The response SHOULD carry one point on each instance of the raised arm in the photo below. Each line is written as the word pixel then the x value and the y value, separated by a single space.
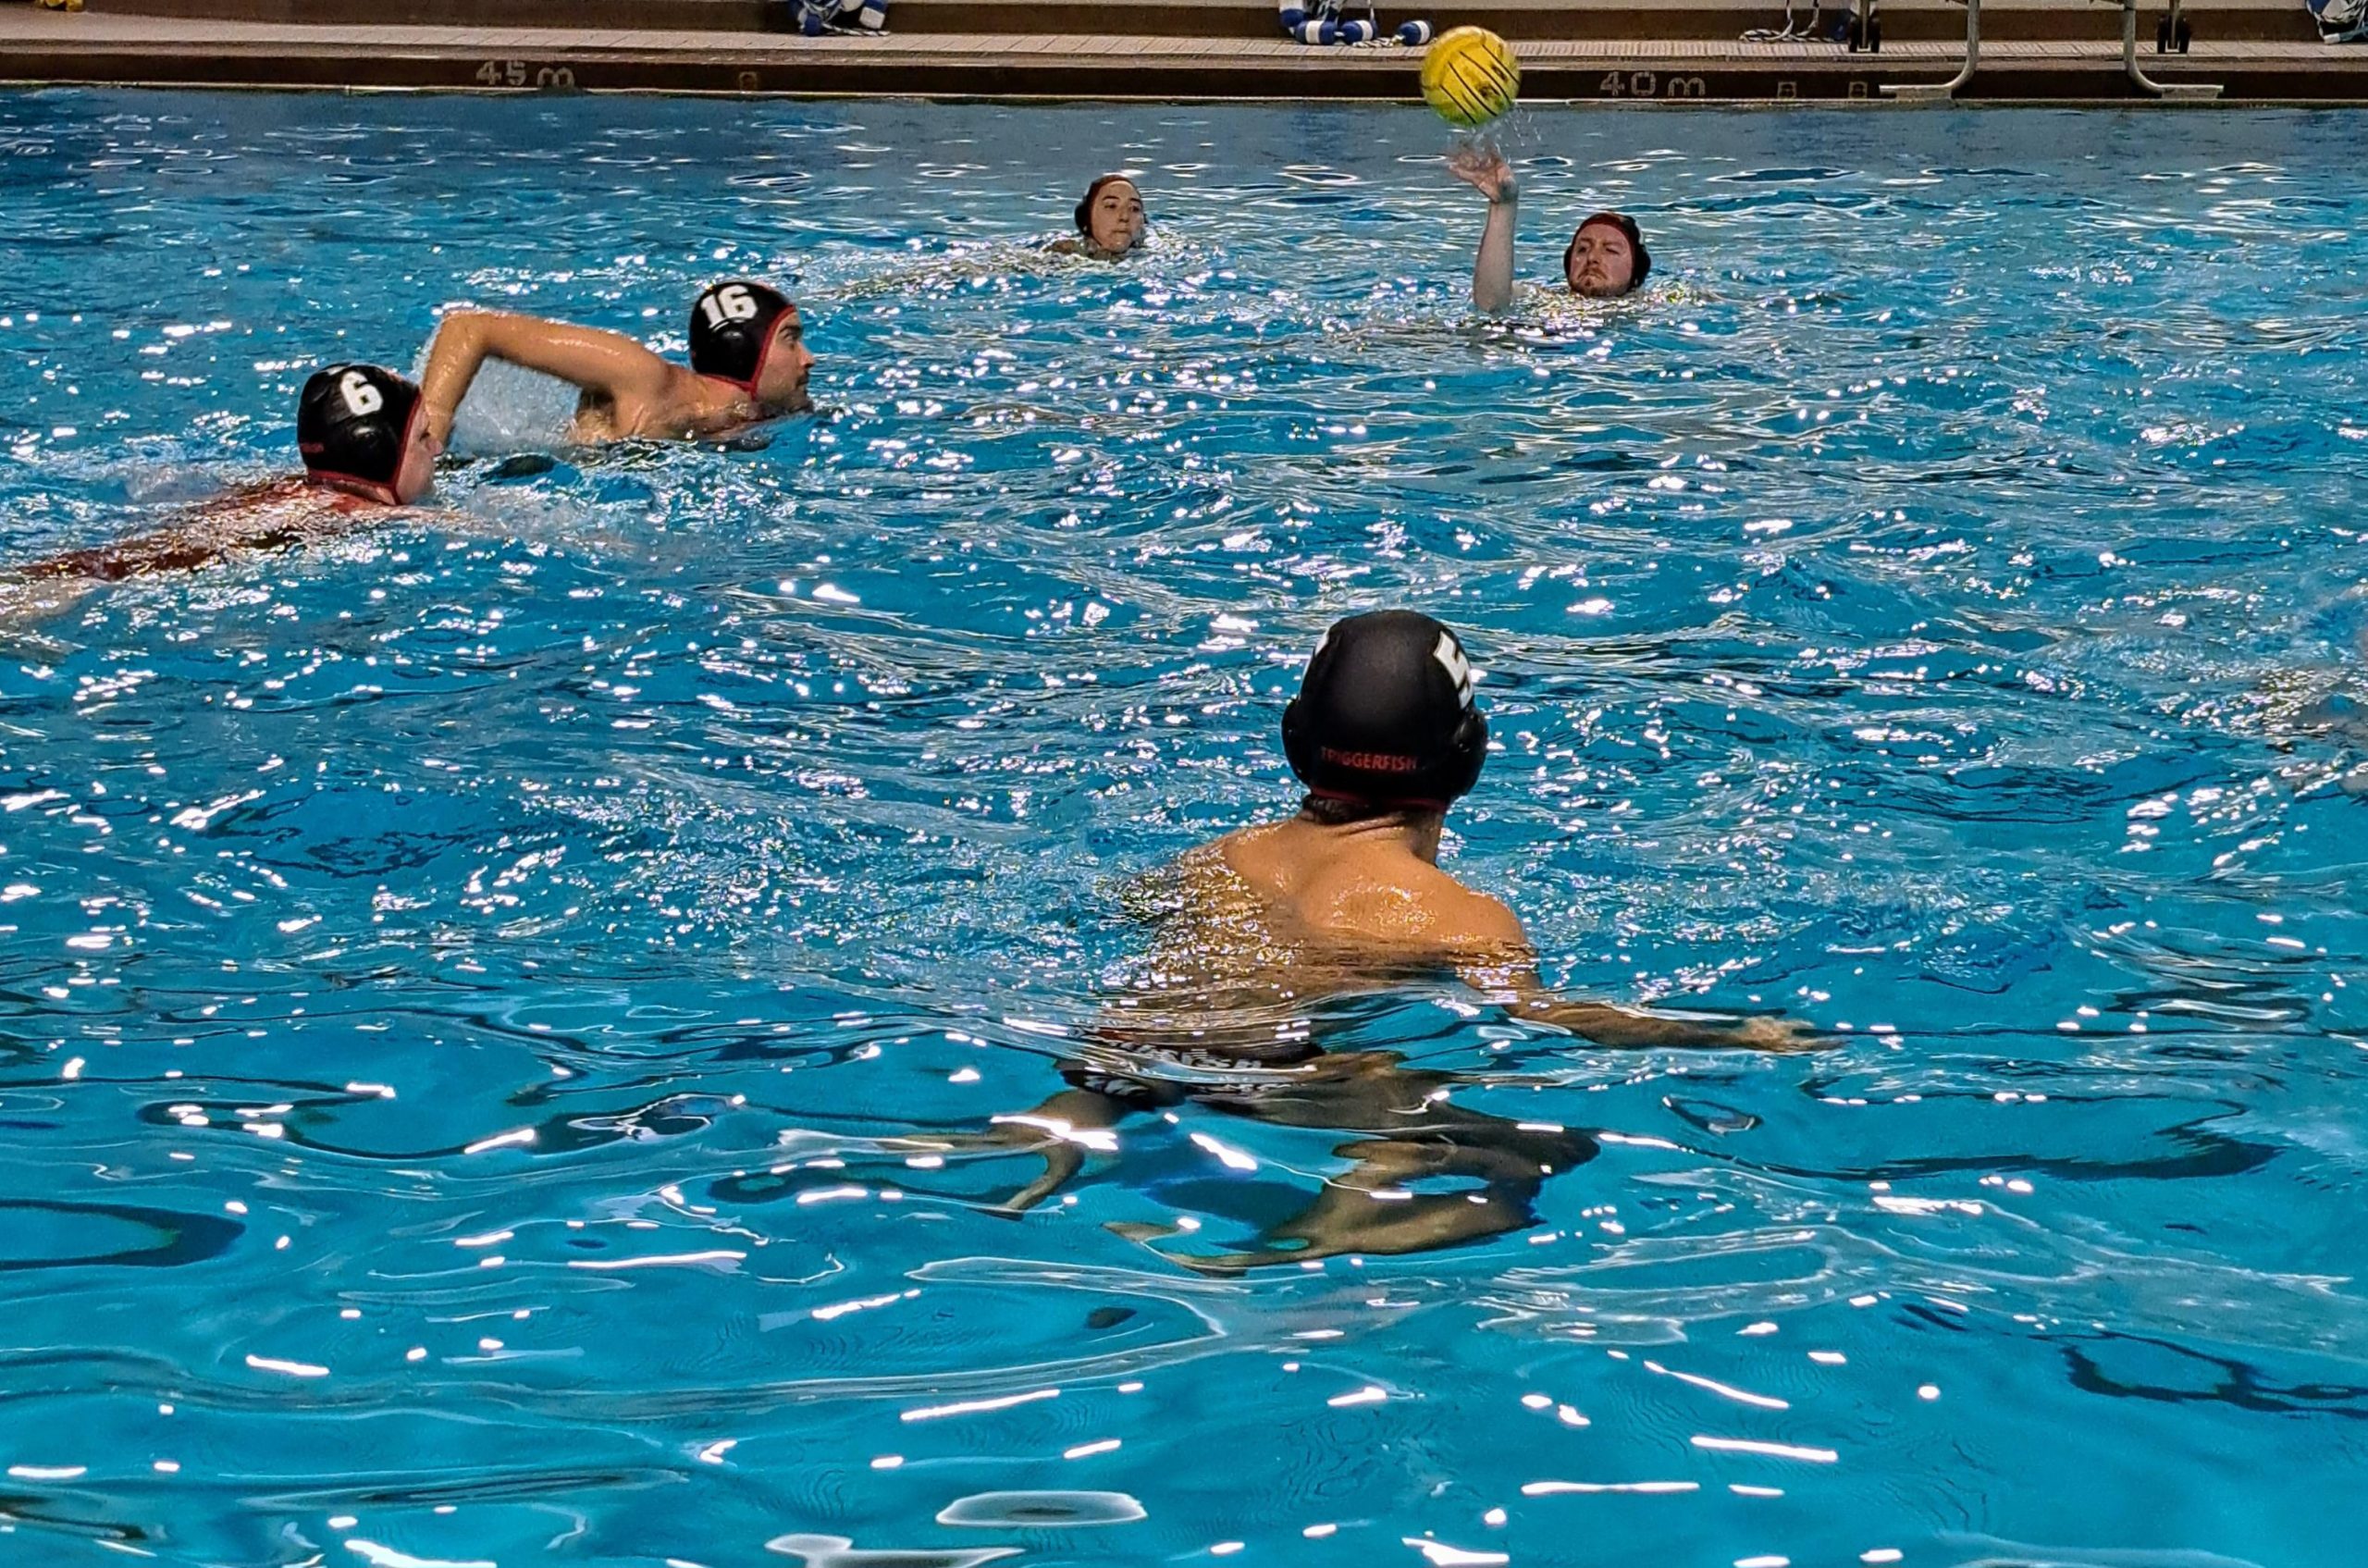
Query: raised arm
pixel 1482 167
pixel 606 364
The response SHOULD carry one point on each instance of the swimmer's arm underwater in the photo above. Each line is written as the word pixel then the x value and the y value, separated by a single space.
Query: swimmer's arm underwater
pixel 1486 170
pixel 1494 958
pixel 605 364
pixel 1622 1030
pixel 1060 1131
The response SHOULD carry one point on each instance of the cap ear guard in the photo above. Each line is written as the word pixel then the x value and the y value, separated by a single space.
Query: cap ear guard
pixel 1467 753
pixel 1299 747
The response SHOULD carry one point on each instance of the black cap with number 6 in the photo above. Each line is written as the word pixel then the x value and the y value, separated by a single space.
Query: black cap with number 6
pixel 732 326
pixel 352 424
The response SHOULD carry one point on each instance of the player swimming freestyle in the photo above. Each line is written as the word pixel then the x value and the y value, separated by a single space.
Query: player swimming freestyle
pixel 1606 257
pixel 1110 220
pixel 367 448
pixel 748 363
pixel 1270 931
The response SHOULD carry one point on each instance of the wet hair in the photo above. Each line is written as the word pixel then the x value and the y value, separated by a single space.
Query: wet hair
pixel 731 331
pixel 1626 226
pixel 1384 716
pixel 1338 811
pixel 353 424
pixel 1084 213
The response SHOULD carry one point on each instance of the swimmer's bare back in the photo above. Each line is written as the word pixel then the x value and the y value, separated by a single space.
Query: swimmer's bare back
pixel 273 515
pixel 628 392
pixel 265 516
pixel 1330 899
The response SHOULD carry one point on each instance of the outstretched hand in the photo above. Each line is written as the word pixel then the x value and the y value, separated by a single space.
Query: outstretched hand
pixel 1480 166
pixel 1779 1035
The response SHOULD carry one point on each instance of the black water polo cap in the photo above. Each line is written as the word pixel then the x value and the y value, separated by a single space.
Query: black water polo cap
pixel 732 329
pixel 1386 714
pixel 353 423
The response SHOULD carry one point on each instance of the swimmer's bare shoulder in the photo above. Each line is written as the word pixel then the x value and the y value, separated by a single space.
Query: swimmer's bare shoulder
pixel 1367 895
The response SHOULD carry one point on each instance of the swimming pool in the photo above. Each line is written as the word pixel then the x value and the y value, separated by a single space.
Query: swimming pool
pixel 459 980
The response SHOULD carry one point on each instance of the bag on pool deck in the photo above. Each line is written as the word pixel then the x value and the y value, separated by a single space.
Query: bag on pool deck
pixel 815 18
pixel 1321 22
pixel 2340 21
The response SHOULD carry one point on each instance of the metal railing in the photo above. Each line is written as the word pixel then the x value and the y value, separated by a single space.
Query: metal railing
pixel 1865 33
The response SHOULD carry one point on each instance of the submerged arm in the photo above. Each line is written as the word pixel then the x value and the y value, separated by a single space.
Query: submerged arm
pixel 267 518
pixel 606 364
pixel 1512 980
pixel 1060 1130
pixel 1495 958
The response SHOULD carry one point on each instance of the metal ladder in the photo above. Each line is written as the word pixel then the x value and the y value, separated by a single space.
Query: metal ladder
pixel 2171 34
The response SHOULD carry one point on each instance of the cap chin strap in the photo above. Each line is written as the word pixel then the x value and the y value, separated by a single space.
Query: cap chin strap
pixel 756 372
pixel 368 490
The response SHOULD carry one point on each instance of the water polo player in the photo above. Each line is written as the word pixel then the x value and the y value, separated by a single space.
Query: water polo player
pixel 1606 257
pixel 748 363
pixel 367 448
pixel 1260 927
pixel 1110 220
pixel 1386 734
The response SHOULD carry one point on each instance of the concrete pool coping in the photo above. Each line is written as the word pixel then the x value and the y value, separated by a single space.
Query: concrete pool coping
pixel 118 48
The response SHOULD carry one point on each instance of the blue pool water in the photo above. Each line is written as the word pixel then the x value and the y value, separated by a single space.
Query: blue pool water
pixel 463 984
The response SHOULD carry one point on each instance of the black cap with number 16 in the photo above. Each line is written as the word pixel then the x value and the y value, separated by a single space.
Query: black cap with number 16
pixel 732 327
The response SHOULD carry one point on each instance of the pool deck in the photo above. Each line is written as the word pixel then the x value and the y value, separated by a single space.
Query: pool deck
pixel 2251 50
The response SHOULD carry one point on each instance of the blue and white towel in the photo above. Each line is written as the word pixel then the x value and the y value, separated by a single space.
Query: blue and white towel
pixel 2340 21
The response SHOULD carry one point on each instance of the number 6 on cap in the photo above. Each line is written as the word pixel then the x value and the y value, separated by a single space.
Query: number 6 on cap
pixel 362 400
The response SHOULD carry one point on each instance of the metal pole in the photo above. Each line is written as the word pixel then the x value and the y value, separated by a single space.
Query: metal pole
pixel 2185 92
pixel 1928 92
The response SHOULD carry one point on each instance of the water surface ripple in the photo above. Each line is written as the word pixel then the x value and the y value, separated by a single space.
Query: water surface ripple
pixel 463 986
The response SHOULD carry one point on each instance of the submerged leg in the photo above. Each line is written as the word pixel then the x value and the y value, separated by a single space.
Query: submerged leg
pixel 1418 1136
pixel 1060 1130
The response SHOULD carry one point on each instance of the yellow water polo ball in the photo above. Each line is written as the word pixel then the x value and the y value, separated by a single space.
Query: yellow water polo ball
pixel 1470 76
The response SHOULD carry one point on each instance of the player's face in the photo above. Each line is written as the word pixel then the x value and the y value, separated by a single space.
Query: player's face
pixel 786 363
pixel 1116 220
pixel 1601 261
